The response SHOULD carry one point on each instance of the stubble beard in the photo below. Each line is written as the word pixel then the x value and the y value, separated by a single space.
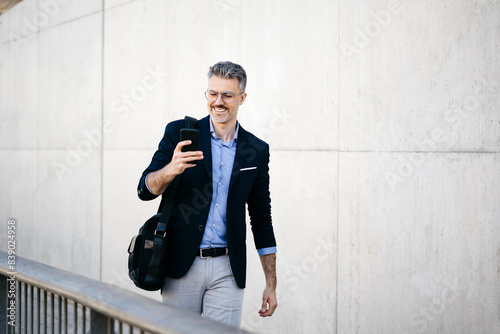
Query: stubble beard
pixel 221 119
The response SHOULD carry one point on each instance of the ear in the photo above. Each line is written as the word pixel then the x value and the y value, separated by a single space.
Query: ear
pixel 243 98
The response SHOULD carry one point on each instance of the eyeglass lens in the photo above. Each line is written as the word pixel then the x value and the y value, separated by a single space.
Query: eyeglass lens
pixel 212 95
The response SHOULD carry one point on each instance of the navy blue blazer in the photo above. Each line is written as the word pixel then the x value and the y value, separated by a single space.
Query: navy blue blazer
pixel 248 186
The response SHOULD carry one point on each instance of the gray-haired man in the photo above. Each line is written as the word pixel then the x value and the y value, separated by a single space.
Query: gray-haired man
pixel 206 260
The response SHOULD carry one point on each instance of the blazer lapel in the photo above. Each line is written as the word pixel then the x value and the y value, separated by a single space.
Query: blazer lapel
pixel 241 155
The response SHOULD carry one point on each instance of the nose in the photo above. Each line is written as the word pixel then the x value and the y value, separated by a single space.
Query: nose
pixel 219 99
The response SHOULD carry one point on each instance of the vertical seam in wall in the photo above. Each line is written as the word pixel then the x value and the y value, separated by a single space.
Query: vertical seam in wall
pixel 338 174
pixel 37 193
pixel 102 143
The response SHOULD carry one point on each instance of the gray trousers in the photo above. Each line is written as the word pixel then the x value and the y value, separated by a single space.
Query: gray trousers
pixel 209 289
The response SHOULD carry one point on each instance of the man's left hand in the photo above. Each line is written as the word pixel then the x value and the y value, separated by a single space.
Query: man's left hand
pixel 269 302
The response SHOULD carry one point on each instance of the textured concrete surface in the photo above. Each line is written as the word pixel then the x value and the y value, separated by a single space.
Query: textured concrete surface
pixel 384 125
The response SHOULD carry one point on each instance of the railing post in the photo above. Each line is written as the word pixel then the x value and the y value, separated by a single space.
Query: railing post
pixel 98 323
pixel 3 304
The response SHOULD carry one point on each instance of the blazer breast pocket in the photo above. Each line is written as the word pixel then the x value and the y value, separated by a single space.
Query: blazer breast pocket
pixel 247 170
pixel 246 177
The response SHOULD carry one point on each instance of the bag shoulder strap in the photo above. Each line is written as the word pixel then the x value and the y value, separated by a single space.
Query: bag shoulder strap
pixel 168 202
pixel 190 122
pixel 168 197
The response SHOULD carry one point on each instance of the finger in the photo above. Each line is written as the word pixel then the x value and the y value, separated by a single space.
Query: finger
pixel 265 300
pixel 267 313
pixel 183 156
pixel 263 310
pixel 264 314
pixel 271 310
pixel 181 144
pixel 192 155
pixel 190 160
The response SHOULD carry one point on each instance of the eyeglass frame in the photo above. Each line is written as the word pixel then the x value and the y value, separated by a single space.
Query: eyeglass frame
pixel 222 94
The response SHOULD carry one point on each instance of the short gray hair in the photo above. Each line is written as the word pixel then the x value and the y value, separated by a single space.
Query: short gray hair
pixel 229 70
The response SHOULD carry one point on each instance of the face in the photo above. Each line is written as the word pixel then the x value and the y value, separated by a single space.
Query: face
pixel 224 112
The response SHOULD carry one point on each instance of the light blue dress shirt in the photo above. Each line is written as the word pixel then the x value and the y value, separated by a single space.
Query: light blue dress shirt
pixel 222 166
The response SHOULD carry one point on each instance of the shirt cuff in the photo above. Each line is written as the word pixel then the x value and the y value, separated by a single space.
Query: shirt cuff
pixel 267 250
pixel 146 182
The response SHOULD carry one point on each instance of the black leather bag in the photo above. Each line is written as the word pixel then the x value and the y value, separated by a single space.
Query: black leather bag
pixel 147 250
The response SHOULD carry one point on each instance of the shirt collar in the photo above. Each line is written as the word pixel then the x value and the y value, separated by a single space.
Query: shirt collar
pixel 212 130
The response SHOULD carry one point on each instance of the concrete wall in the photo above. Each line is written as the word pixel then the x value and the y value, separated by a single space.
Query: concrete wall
pixel 383 119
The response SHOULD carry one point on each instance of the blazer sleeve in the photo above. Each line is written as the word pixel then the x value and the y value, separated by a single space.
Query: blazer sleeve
pixel 161 158
pixel 259 207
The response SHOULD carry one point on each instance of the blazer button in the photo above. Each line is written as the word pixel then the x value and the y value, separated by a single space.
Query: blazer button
pixel 200 227
pixel 207 201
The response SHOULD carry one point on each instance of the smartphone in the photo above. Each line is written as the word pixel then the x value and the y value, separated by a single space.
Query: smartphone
pixel 194 136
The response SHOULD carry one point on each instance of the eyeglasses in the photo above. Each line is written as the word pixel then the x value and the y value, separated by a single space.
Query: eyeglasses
pixel 227 97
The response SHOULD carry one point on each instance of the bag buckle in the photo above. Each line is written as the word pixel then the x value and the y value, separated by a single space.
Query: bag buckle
pixel 159 233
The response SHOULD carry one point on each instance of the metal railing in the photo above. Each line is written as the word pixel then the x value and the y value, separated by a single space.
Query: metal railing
pixel 36 298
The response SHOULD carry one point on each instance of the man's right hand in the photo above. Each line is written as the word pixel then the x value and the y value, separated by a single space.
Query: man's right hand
pixel 158 181
pixel 182 160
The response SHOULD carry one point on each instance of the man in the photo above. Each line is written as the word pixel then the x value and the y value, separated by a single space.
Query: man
pixel 206 255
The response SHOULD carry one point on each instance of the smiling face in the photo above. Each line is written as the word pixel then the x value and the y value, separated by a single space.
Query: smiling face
pixel 223 112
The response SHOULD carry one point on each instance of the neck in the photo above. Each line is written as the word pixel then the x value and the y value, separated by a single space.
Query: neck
pixel 226 131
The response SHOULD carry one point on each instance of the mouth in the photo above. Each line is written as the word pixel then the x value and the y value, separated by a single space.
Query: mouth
pixel 219 109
